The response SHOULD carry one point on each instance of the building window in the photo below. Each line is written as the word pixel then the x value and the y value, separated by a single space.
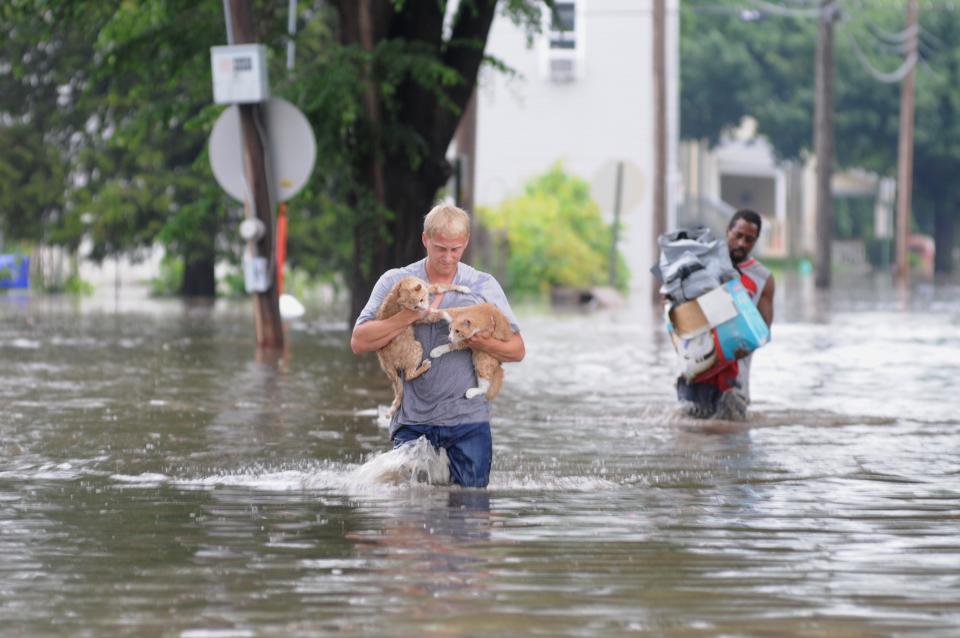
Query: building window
pixel 563 26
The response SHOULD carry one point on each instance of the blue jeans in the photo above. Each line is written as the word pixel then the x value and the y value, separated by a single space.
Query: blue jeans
pixel 469 448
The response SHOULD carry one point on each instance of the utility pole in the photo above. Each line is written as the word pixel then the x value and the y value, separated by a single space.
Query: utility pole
pixel 659 126
pixel 905 148
pixel 823 142
pixel 615 235
pixel 269 327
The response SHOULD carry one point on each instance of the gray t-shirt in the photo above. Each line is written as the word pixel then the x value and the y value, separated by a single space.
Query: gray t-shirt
pixel 437 396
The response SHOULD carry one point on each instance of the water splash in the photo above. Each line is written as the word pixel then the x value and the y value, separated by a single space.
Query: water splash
pixel 414 462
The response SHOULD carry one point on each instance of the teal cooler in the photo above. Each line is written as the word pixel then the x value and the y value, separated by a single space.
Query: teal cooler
pixel 747 331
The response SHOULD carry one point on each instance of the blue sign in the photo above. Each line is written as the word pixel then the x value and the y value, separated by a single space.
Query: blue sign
pixel 14 271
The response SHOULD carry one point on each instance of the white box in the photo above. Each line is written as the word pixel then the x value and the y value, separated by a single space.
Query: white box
pixel 256 274
pixel 239 74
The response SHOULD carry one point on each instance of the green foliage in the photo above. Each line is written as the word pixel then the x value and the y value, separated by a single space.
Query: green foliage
pixel 169 282
pixel 737 63
pixel 31 183
pixel 107 109
pixel 556 236
pixel 232 284
pixel 853 217
pixel 74 285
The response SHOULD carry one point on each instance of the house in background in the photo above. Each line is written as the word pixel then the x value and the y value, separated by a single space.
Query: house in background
pixel 583 95
pixel 742 171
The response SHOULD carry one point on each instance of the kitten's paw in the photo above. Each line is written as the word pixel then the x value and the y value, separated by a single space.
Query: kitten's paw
pixel 439 351
pixel 473 392
pixel 464 289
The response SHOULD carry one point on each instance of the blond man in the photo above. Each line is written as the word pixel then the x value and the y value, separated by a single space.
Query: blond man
pixel 434 404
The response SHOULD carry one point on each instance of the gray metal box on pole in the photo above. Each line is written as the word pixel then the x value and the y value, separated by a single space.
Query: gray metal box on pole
pixel 239 74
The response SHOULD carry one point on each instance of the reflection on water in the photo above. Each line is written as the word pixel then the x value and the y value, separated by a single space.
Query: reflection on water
pixel 159 477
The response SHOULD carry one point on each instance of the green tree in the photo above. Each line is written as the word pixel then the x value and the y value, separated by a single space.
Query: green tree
pixel 417 68
pixel 556 236
pixel 737 63
pixel 40 60
pixel 382 82
pixel 31 182
pixel 868 113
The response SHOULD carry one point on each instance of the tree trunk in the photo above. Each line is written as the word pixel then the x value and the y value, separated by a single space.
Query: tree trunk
pixel 200 258
pixel 396 184
pixel 198 278
pixel 396 242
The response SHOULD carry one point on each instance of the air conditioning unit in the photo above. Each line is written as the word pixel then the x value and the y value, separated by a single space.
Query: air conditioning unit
pixel 563 69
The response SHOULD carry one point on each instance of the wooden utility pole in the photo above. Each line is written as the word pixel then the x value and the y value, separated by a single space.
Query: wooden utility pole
pixel 659 126
pixel 615 233
pixel 269 327
pixel 905 148
pixel 823 143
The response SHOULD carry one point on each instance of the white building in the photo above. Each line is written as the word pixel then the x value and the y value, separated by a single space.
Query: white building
pixel 742 171
pixel 583 96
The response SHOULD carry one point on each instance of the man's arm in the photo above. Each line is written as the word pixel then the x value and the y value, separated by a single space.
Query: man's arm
pixel 372 335
pixel 509 351
pixel 765 304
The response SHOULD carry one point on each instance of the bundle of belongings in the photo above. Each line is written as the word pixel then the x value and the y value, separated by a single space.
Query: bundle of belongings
pixel 710 317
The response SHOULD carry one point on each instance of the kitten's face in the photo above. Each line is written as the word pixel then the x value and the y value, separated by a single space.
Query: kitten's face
pixel 413 294
pixel 462 328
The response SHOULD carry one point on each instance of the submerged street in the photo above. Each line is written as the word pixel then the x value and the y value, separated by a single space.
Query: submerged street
pixel 158 477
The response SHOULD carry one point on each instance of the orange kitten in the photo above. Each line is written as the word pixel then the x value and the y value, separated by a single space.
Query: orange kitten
pixel 467 321
pixel 404 353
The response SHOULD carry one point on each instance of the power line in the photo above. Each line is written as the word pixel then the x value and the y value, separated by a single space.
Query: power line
pixel 887 78
pixel 779 10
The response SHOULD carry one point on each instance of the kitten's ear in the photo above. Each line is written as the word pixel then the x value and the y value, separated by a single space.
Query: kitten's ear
pixel 419 286
pixel 466 322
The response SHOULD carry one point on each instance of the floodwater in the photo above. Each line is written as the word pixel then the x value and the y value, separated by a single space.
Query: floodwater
pixel 159 478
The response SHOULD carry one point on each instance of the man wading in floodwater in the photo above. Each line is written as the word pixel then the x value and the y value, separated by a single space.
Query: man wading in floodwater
pixel 434 405
pixel 727 395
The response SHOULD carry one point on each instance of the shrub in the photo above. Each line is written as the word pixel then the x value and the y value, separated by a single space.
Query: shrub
pixel 555 234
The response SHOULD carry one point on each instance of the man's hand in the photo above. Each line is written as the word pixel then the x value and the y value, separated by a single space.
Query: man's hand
pixel 504 351
pixel 481 342
pixel 408 316
pixel 375 334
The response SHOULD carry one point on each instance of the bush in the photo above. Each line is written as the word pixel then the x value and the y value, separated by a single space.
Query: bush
pixel 169 281
pixel 555 236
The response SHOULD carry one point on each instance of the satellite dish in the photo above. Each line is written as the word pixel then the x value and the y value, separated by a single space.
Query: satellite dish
pixel 292 150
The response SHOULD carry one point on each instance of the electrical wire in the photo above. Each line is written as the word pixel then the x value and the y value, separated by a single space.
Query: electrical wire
pixel 887 78
pixel 779 10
